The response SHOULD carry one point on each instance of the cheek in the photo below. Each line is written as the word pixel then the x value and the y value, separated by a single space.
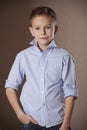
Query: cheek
pixel 34 34
pixel 51 34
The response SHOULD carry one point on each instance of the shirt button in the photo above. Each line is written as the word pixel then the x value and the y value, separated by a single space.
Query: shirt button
pixel 42 92
pixel 42 79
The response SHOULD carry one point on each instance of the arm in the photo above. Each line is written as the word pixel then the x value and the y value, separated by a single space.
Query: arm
pixel 13 99
pixel 69 104
pixel 69 89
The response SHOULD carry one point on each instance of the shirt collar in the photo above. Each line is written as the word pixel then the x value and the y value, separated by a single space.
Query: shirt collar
pixel 52 43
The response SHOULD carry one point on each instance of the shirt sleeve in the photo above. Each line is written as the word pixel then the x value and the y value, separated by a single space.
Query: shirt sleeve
pixel 16 74
pixel 69 77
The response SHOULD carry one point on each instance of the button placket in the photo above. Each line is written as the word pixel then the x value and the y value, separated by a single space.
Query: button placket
pixel 42 87
pixel 42 67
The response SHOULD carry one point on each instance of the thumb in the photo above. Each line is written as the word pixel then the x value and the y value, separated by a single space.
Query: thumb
pixel 33 121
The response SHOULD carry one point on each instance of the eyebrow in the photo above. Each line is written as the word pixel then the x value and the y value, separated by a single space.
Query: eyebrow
pixel 44 26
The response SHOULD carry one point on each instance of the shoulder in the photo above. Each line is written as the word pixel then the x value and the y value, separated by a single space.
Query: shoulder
pixel 65 55
pixel 62 52
pixel 24 52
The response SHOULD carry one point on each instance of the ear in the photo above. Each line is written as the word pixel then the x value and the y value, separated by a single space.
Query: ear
pixel 56 29
pixel 31 31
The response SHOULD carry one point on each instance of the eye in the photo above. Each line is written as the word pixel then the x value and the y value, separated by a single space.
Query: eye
pixel 36 28
pixel 49 27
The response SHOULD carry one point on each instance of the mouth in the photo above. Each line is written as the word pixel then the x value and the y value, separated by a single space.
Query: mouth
pixel 44 38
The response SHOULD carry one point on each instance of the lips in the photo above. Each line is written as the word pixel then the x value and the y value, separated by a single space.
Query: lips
pixel 44 38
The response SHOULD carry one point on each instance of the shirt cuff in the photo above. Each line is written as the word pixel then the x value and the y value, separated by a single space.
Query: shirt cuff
pixel 71 92
pixel 8 84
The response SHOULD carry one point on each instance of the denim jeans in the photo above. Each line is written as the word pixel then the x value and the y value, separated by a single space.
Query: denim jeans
pixel 32 126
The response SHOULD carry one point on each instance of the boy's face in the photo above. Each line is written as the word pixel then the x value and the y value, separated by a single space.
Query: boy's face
pixel 43 30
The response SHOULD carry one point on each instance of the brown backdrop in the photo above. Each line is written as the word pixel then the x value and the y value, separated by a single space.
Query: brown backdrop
pixel 72 35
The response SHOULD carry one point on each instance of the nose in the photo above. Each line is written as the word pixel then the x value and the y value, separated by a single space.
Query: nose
pixel 43 31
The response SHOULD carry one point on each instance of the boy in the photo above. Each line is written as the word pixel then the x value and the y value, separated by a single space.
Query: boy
pixel 48 94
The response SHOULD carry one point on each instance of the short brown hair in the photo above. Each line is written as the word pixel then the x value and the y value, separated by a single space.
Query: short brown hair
pixel 43 10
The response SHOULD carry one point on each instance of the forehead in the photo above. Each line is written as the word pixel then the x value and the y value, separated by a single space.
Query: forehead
pixel 41 20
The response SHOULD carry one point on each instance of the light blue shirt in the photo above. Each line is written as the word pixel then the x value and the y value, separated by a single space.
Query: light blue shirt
pixel 50 78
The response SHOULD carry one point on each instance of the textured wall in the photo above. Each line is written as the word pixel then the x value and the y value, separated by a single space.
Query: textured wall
pixel 72 35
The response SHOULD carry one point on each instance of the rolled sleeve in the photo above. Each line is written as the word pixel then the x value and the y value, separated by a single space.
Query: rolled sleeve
pixel 16 74
pixel 71 92
pixel 69 77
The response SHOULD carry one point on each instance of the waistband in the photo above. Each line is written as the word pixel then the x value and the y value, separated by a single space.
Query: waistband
pixel 38 126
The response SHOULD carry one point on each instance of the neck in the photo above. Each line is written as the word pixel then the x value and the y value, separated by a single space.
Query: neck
pixel 42 47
